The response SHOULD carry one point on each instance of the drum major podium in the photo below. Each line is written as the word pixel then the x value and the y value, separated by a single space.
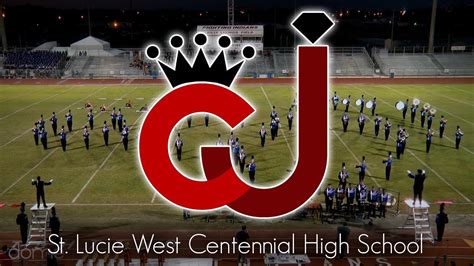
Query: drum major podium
pixel 419 219
pixel 38 231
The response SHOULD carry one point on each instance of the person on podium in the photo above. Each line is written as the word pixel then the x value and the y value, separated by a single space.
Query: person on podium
pixel 39 184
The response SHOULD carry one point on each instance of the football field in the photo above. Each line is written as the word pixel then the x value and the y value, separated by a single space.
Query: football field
pixel 103 186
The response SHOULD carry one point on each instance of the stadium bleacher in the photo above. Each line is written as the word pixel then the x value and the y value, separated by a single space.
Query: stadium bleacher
pixel 351 61
pixel 271 62
pixel 407 64
pixel 456 64
pixel 35 63
pixel 102 66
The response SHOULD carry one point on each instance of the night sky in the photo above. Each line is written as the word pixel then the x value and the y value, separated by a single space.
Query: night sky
pixel 221 4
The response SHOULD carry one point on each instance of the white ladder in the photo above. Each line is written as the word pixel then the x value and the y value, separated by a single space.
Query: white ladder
pixel 39 224
pixel 421 220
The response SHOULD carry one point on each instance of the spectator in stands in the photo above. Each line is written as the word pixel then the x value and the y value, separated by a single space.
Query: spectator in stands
pixel 39 63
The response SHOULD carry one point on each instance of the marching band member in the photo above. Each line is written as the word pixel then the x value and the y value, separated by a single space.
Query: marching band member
pixel 236 150
pixel 430 119
pixel 345 121
pixel 363 167
pixel 289 116
pixel 388 165
pixel 350 195
pixel 63 138
pixel 125 127
pixel 335 101
pixel 374 105
pixel 231 139
pixel 429 136
pixel 373 200
pixel 219 140
pixel 252 166
pixel 377 121
pixel 274 128
pixel 85 136
pixel 442 126
pixel 384 199
pixel 399 147
pixel 361 121
pixel 69 120
pixel 339 197
pixel 404 139
pixel 273 114
pixel 277 120
pixel 262 133
pixel 105 133
pixel 362 104
pixel 329 197
pixel 459 135
pixel 124 134
pixel 35 133
pixel 44 138
pixel 41 122
pixel 54 123
pixel 120 120
pixel 348 104
pixel 206 120
pixel 361 187
pixel 179 146
pixel 418 184
pixel 189 120
pixel 413 113
pixel 405 109
pixel 423 116
pixel 90 118
pixel 387 127
pixel 361 200
pixel 242 157
pixel 113 117
pixel 343 175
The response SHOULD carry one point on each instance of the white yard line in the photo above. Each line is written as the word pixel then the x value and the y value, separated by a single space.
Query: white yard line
pixel 47 156
pixel 416 119
pixel 60 111
pixel 431 169
pixel 35 103
pixel 456 100
pixel 154 197
pixel 353 155
pixel 27 173
pixel 436 107
pixel 282 131
pixel 95 172
pixel 16 97
pixel 28 106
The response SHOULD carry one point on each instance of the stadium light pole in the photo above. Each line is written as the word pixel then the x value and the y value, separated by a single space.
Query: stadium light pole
pixel 432 26
pixel 3 34
pixel 391 34
pixel 230 12
pixel 89 17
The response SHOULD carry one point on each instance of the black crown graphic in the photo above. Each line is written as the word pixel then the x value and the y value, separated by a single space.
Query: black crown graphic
pixel 201 70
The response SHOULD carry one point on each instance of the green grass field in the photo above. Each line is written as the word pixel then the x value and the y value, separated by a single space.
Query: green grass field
pixel 103 187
